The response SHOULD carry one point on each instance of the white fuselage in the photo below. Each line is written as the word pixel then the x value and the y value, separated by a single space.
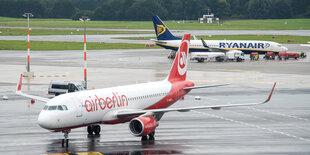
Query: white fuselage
pixel 100 105
pixel 245 46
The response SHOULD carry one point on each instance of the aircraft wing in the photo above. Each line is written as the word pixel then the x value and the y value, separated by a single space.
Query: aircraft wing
pixel 19 92
pixel 127 114
pixel 207 86
pixel 213 49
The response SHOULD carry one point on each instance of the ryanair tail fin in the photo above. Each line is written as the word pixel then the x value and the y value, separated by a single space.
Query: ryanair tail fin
pixel 162 32
pixel 179 66
pixel 204 43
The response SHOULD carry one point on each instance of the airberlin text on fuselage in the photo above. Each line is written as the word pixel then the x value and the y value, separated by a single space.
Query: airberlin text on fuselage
pixel 96 103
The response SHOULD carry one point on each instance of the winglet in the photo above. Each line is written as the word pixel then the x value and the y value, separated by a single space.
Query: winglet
pixel 274 85
pixel 19 85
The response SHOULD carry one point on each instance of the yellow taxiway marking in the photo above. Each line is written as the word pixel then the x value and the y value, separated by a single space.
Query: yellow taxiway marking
pixel 37 76
pixel 77 153
pixel 239 70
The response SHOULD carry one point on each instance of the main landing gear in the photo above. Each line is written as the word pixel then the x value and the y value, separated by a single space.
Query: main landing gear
pixel 65 141
pixel 93 129
pixel 148 137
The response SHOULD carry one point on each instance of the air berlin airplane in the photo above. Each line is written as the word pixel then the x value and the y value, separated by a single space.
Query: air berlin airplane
pixel 142 105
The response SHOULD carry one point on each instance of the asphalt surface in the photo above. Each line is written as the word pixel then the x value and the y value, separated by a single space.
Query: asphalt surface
pixel 281 126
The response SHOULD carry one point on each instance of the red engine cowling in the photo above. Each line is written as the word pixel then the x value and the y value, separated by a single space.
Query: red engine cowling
pixel 142 126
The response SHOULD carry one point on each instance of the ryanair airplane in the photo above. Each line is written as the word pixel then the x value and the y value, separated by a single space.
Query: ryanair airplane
pixel 167 40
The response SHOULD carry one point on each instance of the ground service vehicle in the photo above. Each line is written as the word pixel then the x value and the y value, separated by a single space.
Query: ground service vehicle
pixel 57 88
pixel 235 55
pixel 254 56
pixel 282 55
pixel 270 55
pixel 202 56
pixel 293 55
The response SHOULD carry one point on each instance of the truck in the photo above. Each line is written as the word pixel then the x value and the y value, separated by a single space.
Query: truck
pixel 57 88
pixel 233 55
pixel 285 55
pixel 202 56
pixel 270 55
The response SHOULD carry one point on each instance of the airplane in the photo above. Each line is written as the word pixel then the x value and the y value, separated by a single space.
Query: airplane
pixel 167 40
pixel 142 105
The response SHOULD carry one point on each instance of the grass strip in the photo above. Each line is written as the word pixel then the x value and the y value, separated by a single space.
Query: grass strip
pixel 53 45
pixel 17 32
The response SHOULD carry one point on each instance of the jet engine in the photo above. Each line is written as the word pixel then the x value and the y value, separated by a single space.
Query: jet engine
pixel 142 126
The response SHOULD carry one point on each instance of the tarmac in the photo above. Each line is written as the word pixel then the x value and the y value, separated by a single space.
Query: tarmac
pixel 281 126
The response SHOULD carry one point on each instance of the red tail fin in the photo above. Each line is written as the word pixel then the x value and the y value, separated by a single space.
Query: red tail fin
pixel 179 66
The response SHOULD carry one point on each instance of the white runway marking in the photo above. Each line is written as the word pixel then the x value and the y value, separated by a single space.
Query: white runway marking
pixel 252 125
pixel 276 113
pixel 256 117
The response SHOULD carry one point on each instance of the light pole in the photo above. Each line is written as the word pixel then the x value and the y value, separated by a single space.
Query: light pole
pixel 84 19
pixel 28 15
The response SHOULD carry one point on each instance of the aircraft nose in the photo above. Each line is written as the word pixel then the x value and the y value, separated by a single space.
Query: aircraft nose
pixel 44 121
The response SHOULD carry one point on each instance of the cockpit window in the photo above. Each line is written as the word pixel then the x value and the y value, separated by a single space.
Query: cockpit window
pixel 60 108
pixel 64 107
pixel 56 107
pixel 52 107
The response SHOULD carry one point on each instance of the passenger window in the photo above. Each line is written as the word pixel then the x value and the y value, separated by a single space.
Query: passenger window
pixel 60 108
pixel 52 107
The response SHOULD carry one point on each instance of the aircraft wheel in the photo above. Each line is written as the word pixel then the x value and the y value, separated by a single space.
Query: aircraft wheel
pixel 144 138
pixel 65 142
pixel 62 142
pixel 152 134
pixel 97 129
pixel 90 129
pixel 201 60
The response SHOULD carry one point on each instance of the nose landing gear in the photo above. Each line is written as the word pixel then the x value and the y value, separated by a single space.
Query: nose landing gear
pixel 65 141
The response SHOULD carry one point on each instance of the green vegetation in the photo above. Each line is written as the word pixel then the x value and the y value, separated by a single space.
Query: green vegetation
pixel 16 32
pixel 141 10
pixel 270 24
pixel 50 45
pixel 283 39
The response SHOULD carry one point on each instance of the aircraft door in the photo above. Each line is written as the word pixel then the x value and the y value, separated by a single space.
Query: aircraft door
pixel 79 112
pixel 79 108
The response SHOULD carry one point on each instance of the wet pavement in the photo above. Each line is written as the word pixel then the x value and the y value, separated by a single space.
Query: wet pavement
pixel 281 126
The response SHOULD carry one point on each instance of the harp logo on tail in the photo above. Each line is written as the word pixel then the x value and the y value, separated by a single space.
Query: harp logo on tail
pixel 160 29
